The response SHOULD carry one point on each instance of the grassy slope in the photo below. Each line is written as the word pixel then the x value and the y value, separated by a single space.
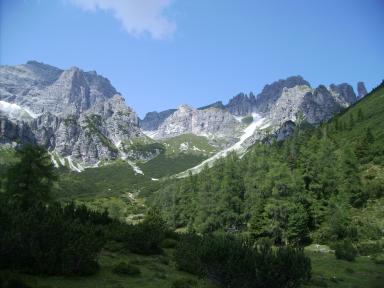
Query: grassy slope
pixel 174 160
pixel 372 107
pixel 327 271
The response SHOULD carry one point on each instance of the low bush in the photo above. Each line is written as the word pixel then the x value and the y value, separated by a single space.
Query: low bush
pixel 126 269
pixel 345 250
pixel 169 243
pixel 378 259
pixel 247 120
pixel 11 280
pixel 184 283
pixel 46 240
pixel 237 262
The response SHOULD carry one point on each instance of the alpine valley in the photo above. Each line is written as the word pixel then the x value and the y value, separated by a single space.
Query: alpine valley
pixel 281 187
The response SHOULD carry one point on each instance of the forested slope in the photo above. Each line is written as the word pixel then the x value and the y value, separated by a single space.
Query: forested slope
pixel 318 186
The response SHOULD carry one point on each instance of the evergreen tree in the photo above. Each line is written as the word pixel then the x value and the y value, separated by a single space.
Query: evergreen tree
pixel 352 186
pixel 30 181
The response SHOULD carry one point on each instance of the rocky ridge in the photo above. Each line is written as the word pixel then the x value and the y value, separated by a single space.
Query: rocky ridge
pixel 75 114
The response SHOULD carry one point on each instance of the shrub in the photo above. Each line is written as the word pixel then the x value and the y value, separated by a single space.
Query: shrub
pixel 378 259
pixel 126 269
pixel 10 280
pixel 237 262
pixel 345 250
pixel 169 243
pixel 42 240
pixel 184 283
pixel 247 120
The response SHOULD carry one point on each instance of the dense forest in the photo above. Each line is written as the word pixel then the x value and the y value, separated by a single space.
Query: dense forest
pixel 312 187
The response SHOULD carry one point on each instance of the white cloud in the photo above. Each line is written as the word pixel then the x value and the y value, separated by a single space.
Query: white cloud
pixel 136 16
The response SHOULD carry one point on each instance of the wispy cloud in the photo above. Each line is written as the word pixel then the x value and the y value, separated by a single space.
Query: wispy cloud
pixel 137 17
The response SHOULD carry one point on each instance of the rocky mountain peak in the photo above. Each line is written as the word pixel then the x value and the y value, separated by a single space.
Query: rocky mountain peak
pixel 345 91
pixel 361 90
pixel 78 115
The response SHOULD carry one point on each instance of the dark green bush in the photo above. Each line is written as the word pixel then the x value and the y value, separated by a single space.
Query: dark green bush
pixel 184 283
pixel 11 280
pixel 345 250
pixel 126 269
pixel 378 259
pixel 42 240
pixel 247 120
pixel 169 243
pixel 236 262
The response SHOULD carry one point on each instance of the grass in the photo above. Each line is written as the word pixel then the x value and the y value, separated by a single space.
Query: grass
pixel 159 271
pixel 372 110
pixel 327 271
pixel 195 144
pixel 155 272
pixel 167 165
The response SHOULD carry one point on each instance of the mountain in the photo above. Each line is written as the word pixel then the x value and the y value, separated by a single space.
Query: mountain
pixel 210 122
pixel 152 120
pixel 82 119
pixel 361 90
pixel 77 115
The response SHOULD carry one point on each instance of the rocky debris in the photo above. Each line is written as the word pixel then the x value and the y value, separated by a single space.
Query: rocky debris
pixel 153 120
pixel 361 90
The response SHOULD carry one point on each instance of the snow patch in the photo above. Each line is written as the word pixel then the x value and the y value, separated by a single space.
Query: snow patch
pixel 17 112
pixel 150 134
pixel 135 168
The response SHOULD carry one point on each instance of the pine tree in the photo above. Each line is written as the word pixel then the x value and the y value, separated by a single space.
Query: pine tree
pixel 352 186
pixel 30 181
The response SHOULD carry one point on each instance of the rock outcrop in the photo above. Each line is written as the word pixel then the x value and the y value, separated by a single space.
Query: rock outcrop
pixel 210 122
pixel 153 120
pixel 361 90
pixel 242 104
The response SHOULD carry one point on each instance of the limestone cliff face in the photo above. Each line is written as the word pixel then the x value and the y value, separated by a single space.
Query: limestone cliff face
pixel 77 114
pixel 210 122
pixel 153 120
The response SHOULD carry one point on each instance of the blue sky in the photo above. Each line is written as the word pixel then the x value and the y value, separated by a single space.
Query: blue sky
pixel 162 53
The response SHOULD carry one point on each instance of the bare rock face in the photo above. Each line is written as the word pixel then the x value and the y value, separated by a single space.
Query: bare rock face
pixel 344 93
pixel 361 90
pixel 242 104
pixel 265 101
pixel 43 88
pixel 153 120
pixel 13 132
pixel 211 122
pixel 77 114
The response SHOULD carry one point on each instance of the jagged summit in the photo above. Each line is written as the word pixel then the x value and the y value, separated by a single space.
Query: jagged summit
pixel 76 114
